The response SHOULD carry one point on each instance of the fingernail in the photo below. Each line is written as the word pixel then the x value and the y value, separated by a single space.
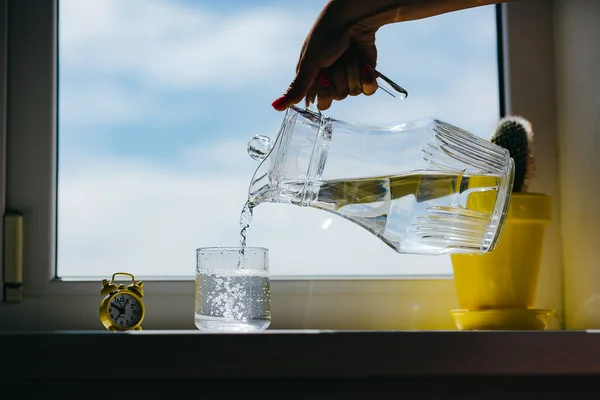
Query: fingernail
pixel 280 104
pixel 364 69
pixel 325 80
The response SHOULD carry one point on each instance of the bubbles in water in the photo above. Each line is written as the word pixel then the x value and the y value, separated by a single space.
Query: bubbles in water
pixel 232 300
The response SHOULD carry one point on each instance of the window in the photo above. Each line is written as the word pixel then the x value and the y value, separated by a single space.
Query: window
pixel 403 301
pixel 158 99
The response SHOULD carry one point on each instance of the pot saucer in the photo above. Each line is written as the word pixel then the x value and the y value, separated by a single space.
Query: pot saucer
pixel 502 319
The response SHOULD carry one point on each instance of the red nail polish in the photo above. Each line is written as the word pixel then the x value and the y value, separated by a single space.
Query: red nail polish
pixel 325 80
pixel 280 104
pixel 364 69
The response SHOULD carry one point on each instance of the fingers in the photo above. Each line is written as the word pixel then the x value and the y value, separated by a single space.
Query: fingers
pixel 326 92
pixel 347 76
pixel 312 94
pixel 339 80
pixel 331 85
pixel 305 77
pixel 368 80
pixel 353 78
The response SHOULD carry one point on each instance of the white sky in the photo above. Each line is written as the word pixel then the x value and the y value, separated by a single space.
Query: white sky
pixel 159 98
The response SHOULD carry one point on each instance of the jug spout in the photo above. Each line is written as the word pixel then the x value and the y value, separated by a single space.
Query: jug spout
pixel 261 187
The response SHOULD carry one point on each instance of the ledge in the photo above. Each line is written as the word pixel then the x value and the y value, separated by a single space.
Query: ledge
pixel 299 354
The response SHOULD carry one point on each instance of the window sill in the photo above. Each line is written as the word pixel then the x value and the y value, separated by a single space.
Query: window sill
pixel 304 354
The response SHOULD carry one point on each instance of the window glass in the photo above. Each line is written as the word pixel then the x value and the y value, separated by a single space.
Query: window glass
pixel 158 99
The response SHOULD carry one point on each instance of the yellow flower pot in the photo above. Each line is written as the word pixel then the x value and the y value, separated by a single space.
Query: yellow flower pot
pixel 507 277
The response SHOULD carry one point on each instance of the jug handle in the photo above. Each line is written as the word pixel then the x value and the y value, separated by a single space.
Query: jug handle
pixel 390 87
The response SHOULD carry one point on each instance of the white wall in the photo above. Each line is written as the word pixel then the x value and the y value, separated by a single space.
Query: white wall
pixel 530 91
pixel 577 51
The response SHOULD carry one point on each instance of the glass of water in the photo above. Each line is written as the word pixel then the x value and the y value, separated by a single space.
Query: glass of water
pixel 233 289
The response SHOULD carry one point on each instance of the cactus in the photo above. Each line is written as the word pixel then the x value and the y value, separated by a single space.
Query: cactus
pixel 515 134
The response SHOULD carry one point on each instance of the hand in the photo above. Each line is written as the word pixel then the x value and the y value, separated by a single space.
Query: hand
pixel 337 59
pixel 339 56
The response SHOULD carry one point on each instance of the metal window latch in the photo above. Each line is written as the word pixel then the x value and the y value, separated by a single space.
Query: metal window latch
pixel 13 258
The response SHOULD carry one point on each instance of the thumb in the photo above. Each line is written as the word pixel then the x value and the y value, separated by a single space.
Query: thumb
pixel 304 79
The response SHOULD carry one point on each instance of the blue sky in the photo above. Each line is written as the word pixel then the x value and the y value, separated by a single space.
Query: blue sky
pixel 158 98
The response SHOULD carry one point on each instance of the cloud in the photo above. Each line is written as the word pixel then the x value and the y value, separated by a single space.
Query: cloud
pixel 123 61
pixel 179 46
pixel 467 104
pixel 226 157
pixel 107 102
pixel 132 59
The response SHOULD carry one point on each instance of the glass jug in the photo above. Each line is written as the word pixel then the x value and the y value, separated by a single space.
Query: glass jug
pixel 414 185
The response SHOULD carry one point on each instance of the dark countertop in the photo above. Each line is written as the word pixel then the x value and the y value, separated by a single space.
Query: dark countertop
pixel 300 354
pixel 303 364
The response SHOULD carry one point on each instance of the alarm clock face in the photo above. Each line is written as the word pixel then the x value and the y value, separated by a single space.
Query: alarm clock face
pixel 124 310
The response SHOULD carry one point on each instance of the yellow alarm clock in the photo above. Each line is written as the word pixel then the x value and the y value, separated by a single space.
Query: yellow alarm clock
pixel 122 308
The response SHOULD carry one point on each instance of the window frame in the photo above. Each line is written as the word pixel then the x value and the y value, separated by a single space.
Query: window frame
pixel 419 303
pixel 3 116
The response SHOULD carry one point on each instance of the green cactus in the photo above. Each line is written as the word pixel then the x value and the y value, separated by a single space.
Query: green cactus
pixel 515 134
